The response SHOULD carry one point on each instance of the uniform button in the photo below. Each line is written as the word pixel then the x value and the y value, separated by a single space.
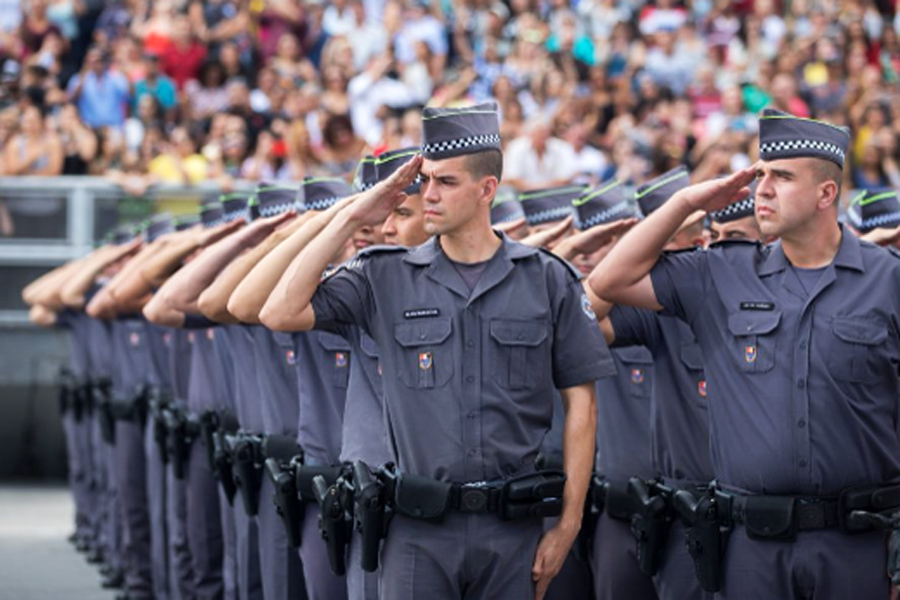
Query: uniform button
pixel 520 337
pixel 801 383
pixel 802 462
pixel 801 423
pixel 473 452
pixel 470 379
pixel 470 343
pixel 472 415
pixel 421 336
pixel 803 344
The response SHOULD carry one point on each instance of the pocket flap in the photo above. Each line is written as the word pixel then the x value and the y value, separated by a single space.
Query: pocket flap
pixel 285 340
pixel 860 331
pixel 518 333
pixel 368 346
pixel 422 498
pixel 333 343
pixel 426 332
pixel 692 356
pixel 769 517
pixel 753 323
pixel 634 354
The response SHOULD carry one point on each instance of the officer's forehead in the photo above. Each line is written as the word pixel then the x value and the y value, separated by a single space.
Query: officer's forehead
pixel 444 167
pixel 786 165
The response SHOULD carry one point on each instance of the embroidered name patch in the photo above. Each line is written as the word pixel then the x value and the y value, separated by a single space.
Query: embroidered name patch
pixel 757 306
pixel 421 313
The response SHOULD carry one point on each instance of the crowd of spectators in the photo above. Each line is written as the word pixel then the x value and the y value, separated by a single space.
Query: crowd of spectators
pixel 186 91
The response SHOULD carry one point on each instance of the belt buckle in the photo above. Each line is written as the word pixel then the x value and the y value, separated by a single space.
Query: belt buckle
pixel 473 500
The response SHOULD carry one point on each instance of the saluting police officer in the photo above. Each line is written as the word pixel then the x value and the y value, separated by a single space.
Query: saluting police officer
pixel 470 327
pixel 801 349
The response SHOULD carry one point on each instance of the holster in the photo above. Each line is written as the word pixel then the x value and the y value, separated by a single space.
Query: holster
pixel 709 525
pixel 593 508
pixel 287 501
pixel 223 467
pixel 371 513
pixel 335 523
pixel 533 495
pixel 650 523
pixel 77 401
pixel 106 420
pixel 158 406
pixel 247 464
pixel 305 474
pixel 209 425
pixel 66 384
pixel 183 431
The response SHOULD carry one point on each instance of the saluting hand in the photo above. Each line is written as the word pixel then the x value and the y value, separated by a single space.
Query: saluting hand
pixel 376 204
pixel 882 236
pixel 716 194
pixel 511 226
pixel 598 236
pixel 260 229
pixel 548 237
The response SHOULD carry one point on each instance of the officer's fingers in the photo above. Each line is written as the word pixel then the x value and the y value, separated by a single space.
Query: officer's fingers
pixel 540 588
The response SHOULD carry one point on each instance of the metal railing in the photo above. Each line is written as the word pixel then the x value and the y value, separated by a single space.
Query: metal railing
pixel 46 221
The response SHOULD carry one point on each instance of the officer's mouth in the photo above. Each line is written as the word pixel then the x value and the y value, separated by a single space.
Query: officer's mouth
pixel 764 211
pixel 360 244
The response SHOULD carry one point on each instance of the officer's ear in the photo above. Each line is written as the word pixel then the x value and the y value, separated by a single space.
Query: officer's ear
pixel 489 186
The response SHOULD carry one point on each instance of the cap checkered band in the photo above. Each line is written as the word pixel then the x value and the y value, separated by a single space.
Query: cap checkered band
pixel 509 218
pixel 802 145
pixel 322 203
pixel 272 209
pixel 241 213
pixel 891 219
pixel 491 140
pixel 744 206
pixel 551 214
pixel 604 216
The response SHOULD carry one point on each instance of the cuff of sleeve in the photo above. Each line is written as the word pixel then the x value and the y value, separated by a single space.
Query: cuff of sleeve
pixel 585 374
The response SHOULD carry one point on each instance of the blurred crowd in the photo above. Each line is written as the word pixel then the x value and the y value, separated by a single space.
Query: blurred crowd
pixel 186 91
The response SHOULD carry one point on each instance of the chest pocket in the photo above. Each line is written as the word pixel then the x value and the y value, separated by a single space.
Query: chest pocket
pixel 424 354
pixel 754 339
pixel 857 350
pixel 370 353
pixel 637 366
pixel 337 352
pixel 519 351
pixel 692 360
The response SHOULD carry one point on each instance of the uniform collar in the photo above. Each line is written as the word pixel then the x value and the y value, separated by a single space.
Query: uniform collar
pixel 441 270
pixel 848 256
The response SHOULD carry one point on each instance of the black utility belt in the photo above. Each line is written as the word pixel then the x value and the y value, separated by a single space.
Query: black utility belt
pixel 535 495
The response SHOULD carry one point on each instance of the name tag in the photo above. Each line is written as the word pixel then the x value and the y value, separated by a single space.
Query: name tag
pixel 421 313
pixel 757 306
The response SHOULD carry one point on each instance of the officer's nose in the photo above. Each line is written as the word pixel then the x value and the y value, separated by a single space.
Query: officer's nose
pixel 429 191
pixel 764 186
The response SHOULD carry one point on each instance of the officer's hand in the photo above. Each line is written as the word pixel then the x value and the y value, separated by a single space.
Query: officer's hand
pixel 260 229
pixel 883 236
pixel 376 204
pixel 206 237
pixel 511 226
pixel 598 236
pixel 549 558
pixel 549 237
pixel 716 194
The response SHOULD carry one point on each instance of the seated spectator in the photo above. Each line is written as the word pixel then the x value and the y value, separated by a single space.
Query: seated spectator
pixel 79 143
pixel 155 29
pixel 208 94
pixel 178 161
pixel 100 93
pixel 36 149
pixel 267 163
pixel 302 159
pixel 148 114
pixel 35 27
pixel 538 160
pixel 341 149
pixel 590 163
pixel 183 59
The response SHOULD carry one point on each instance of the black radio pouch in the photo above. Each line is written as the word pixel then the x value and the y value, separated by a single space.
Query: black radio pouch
pixel 422 498
pixel 770 518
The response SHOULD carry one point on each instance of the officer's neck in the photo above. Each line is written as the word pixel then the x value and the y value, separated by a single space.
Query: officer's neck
pixel 470 244
pixel 814 245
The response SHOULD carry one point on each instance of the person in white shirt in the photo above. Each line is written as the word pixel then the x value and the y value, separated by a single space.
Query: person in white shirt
pixel 537 159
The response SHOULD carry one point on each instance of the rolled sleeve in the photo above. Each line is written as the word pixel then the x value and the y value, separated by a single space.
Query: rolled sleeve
pixel 681 282
pixel 344 298
pixel 633 326
pixel 580 354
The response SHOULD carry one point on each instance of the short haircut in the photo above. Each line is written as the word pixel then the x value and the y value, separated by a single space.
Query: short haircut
pixel 825 170
pixel 487 163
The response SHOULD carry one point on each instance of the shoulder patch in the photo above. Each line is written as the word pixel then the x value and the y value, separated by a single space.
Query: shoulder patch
pixel 569 266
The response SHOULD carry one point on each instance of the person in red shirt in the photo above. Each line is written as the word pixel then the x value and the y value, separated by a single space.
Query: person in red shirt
pixel 183 57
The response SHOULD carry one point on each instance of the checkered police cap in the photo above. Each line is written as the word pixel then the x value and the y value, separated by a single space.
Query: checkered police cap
pixel 602 205
pixel 186 222
pixel 237 206
pixel 871 209
pixel 274 199
pixel 388 162
pixel 549 204
pixel 449 132
pixel 785 136
pixel 321 193
pixel 212 214
pixel 737 210
pixel 655 192
pixel 506 211
pixel 158 225
pixel 366 175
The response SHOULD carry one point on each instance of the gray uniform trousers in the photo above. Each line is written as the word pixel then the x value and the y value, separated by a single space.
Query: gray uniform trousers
pixel 181 571
pixel 467 556
pixel 77 475
pixel 88 489
pixel 282 573
pixel 229 559
pixel 204 525
pixel 249 580
pixel 156 505
pixel 321 583
pixel 820 565
pixel 131 477
pixel 112 516
pixel 676 579
pixel 360 584
pixel 101 490
pixel 616 572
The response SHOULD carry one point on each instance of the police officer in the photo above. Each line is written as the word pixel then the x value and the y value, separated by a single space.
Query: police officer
pixel 469 326
pixel 800 346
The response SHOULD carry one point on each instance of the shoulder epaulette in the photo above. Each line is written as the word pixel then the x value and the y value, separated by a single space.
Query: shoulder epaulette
pixel 569 266
pixel 893 250
pixel 736 242
pixel 380 249
pixel 681 251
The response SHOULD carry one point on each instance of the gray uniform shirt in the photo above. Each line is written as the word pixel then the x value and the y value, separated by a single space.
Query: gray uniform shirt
pixel 623 416
pixel 468 377
pixel 132 357
pixel 805 388
pixel 210 385
pixel 679 423
pixel 244 368
pixel 277 379
pixel 100 347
